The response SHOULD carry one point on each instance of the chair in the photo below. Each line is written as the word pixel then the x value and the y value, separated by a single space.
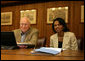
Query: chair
pixel 40 43
pixel 79 41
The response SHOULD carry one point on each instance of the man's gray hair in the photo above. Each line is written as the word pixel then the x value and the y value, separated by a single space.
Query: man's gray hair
pixel 26 19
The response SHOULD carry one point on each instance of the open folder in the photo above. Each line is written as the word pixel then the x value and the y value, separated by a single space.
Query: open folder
pixel 48 50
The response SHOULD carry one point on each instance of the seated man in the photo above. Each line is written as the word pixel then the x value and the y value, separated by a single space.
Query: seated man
pixel 26 34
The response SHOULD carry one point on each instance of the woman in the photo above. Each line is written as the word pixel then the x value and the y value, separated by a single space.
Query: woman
pixel 62 37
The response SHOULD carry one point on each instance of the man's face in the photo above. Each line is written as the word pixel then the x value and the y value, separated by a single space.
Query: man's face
pixel 24 25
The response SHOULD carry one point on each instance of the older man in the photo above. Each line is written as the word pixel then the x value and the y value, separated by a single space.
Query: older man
pixel 26 34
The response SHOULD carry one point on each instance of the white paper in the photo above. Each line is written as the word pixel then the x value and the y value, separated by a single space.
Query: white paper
pixel 49 50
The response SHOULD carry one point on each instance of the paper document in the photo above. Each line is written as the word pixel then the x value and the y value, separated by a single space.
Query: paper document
pixel 49 50
pixel 19 44
pixel 22 43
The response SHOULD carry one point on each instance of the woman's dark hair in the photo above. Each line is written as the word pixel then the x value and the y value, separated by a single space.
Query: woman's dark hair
pixel 62 22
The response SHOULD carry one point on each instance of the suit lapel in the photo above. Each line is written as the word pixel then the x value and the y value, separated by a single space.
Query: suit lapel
pixel 65 40
pixel 19 37
pixel 28 36
pixel 55 41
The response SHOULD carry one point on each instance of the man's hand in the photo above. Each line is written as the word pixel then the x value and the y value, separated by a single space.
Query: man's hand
pixel 18 42
pixel 23 46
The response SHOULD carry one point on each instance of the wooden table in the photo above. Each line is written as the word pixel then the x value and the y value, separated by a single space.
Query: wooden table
pixel 24 54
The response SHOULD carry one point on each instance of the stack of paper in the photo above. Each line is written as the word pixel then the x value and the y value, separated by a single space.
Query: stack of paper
pixel 22 43
pixel 19 44
pixel 49 50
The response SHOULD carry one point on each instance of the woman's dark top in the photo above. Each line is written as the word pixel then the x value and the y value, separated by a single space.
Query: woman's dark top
pixel 60 44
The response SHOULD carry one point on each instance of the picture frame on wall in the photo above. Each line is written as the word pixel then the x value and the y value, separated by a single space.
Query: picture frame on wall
pixel 59 12
pixel 82 14
pixel 6 18
pixel 31 14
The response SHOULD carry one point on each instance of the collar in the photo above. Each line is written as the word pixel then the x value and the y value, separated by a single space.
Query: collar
pixel 26 31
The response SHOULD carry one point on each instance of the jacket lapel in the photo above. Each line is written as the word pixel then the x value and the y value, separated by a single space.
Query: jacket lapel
pixel 28 36
pixel 55 41
pixel 19 37
pixel 65 40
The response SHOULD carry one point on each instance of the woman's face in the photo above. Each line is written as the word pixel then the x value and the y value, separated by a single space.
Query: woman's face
pixel 58 27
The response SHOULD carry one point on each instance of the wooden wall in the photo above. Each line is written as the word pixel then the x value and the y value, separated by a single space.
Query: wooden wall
pixel 45 30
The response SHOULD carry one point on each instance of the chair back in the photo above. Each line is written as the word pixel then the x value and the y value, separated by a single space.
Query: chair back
pixel 79 42
pixel 40 43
